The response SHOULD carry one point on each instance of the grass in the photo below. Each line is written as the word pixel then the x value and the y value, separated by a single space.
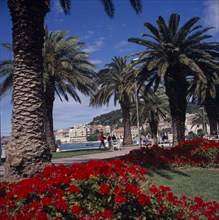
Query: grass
pixel 190 182
pixel 75 153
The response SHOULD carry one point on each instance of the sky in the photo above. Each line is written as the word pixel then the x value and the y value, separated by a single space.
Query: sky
pixel 104 38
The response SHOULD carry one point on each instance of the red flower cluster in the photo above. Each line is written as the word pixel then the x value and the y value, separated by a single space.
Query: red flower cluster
pixel 97 190
pixel 200 152
pixel 104 189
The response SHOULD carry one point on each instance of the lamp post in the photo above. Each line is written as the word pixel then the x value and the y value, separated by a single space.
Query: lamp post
pixel 203 117
pixel 137 110
pixel 0 132
pixel 137 113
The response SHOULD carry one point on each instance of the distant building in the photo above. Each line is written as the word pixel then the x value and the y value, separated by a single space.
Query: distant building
pixel 62 135
pixel 78 134
pixel 118 132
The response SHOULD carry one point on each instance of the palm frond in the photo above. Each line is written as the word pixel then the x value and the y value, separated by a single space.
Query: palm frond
pixel 193 66
pixel 137 5
pixel 152 29
pixel 174 23
pixel 108 7
pixel 66 6
pixel 164 31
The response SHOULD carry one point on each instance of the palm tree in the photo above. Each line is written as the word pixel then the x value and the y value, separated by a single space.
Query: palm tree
pixel 207 95
pixel 200 118
pixel 66 70
pixel 27 151
pixel 114 82
pixel 153 107
pixel 209 103
pixel 171 55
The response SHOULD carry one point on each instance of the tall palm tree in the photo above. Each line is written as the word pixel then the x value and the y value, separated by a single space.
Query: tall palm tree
pixel 153 106
pixel 207 94
pixel 170 55
pixel 27 151
pixel 66 70
pixel 114 82
pixel 200 118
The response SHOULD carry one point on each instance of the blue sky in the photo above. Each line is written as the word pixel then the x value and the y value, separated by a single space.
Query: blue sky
pixel 105 38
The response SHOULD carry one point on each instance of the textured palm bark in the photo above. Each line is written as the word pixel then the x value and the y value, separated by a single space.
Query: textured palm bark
pixel 211 108
pixel 176 90
pixel 49 100
pixel 125 106
pixel 27 151
pixel 153 127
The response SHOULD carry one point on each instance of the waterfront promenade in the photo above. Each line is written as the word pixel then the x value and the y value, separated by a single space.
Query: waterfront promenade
pixel 85 158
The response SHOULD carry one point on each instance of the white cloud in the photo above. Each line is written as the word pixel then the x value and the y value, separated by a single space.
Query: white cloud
pixel 211 15
pixel 68 114
pixel 123 46
pixel 96 61
pixel 97 45
pixel 88 35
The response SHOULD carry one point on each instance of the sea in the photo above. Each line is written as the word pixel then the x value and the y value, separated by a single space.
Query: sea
pixel 79 146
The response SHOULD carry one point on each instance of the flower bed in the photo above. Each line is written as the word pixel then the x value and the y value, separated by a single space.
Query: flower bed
pixel 198 153
pixel 97 190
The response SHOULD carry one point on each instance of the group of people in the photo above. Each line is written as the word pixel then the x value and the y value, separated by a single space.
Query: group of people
pixel 110 139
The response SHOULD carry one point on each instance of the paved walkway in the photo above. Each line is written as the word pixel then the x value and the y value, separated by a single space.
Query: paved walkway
pixel 85 158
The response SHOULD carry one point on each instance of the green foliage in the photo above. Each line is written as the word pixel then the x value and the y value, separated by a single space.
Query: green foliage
pixel 192 108
pixel 93 137
pixel 112 118
pixel 200 133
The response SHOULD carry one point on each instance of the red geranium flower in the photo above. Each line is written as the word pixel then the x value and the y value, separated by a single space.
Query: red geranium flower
pixel 153 189
pixel 41 216
pixel 61 204
pixel 104 189
pixel 162 208
pixel 132 188
pixel 73 189
pixel 76 209
pixel 180 215
pixel 118 190
pixel 107 214
pixel 144 200
pixel 120 199
pixel 46 201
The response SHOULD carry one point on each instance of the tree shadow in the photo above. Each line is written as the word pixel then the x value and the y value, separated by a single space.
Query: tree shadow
pixel 165 172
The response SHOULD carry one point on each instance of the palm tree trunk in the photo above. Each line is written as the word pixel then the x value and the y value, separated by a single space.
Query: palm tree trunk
pixel 212 113
pixel 49 100
pixel 125 106
pixel 176 90
pixel 27 151
pixel 153 127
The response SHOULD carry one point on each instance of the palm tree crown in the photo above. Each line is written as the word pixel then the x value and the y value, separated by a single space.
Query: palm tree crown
pixel 66 71
pixel 174 53
pixel 114 82
pixel 28 109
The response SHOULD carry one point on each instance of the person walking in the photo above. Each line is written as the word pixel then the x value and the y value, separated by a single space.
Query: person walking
pixel 109 139
pixel 102 138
